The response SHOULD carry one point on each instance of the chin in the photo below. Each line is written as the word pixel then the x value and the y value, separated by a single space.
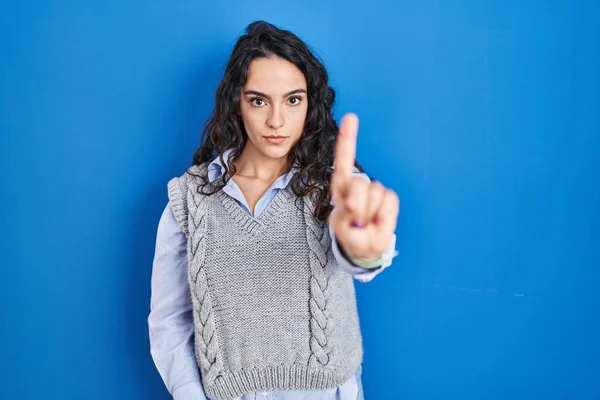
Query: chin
pixel 277 152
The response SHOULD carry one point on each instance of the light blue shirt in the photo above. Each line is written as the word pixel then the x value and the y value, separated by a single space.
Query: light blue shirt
pixel 170 321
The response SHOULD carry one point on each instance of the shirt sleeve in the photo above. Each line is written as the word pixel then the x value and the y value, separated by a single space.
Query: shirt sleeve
pixel 170 322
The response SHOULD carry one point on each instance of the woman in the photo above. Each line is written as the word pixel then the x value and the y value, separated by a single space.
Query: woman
pixel 252 283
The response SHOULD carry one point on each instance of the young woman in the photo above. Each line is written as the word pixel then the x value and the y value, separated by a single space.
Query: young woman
pixel 252 282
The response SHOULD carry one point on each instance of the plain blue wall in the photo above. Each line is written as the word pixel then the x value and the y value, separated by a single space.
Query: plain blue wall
pixel 482 115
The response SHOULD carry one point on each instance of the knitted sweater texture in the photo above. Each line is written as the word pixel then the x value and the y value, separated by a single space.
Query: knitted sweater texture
pixel 272 309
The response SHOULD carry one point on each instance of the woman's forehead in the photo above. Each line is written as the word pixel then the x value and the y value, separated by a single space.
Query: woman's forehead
pixel 274 76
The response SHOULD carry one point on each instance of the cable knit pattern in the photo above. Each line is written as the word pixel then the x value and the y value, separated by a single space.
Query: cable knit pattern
pixel 318 239
pixel 206 343
pixel 272 308
pixel 194 206
pixel 197 238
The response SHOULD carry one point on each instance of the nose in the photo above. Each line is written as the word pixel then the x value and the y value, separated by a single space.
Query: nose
pixel 276 119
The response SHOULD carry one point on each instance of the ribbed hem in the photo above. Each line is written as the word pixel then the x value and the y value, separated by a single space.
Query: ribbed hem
pixel 189 391
pixel 231 385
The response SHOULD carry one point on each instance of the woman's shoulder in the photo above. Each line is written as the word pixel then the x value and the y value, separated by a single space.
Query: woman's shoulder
pixel 194 177
pixel 196 170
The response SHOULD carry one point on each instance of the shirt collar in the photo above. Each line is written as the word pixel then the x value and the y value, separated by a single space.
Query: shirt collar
pixel 216 169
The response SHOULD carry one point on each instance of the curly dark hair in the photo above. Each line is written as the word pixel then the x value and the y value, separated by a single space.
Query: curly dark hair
pixel 314 151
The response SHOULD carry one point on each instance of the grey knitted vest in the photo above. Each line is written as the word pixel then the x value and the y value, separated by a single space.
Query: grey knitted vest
pixel 272 308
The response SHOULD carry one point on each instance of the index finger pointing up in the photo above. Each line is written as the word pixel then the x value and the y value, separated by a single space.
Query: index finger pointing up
pixel 345 152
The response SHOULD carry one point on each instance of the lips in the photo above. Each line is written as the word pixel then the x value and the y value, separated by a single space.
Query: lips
pixel 275 139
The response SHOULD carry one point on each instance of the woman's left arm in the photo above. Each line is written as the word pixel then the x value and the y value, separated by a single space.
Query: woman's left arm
pixel 350 265
pixel 364 213
pixel 363 270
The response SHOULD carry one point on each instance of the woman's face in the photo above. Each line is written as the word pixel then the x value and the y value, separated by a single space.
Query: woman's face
pixel 273 103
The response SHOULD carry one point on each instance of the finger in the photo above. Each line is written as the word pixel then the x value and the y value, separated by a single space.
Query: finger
pixel 357 200
pixel 345 152
pixel 376 194
pixel 339 219
pixel 387 214
pixel 338 190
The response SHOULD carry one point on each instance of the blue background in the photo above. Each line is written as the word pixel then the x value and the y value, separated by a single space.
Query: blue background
pixel 482 115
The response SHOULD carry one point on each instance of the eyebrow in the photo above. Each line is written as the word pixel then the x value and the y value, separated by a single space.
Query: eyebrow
pixel 266 96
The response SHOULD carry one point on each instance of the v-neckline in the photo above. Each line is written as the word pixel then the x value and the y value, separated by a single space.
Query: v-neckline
pixel 249 222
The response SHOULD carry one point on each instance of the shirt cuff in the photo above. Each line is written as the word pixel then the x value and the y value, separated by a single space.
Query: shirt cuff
pixel 371 264
pixel 190 391
pixel 359 273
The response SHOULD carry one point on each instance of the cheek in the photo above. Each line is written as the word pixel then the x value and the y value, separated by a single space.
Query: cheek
pixel 299 119
pixel 250 119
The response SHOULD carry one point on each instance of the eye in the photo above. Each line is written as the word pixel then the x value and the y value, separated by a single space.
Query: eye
pixel 257 102
pixel 295 100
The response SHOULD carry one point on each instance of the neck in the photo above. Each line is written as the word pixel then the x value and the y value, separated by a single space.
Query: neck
pixel 252 163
